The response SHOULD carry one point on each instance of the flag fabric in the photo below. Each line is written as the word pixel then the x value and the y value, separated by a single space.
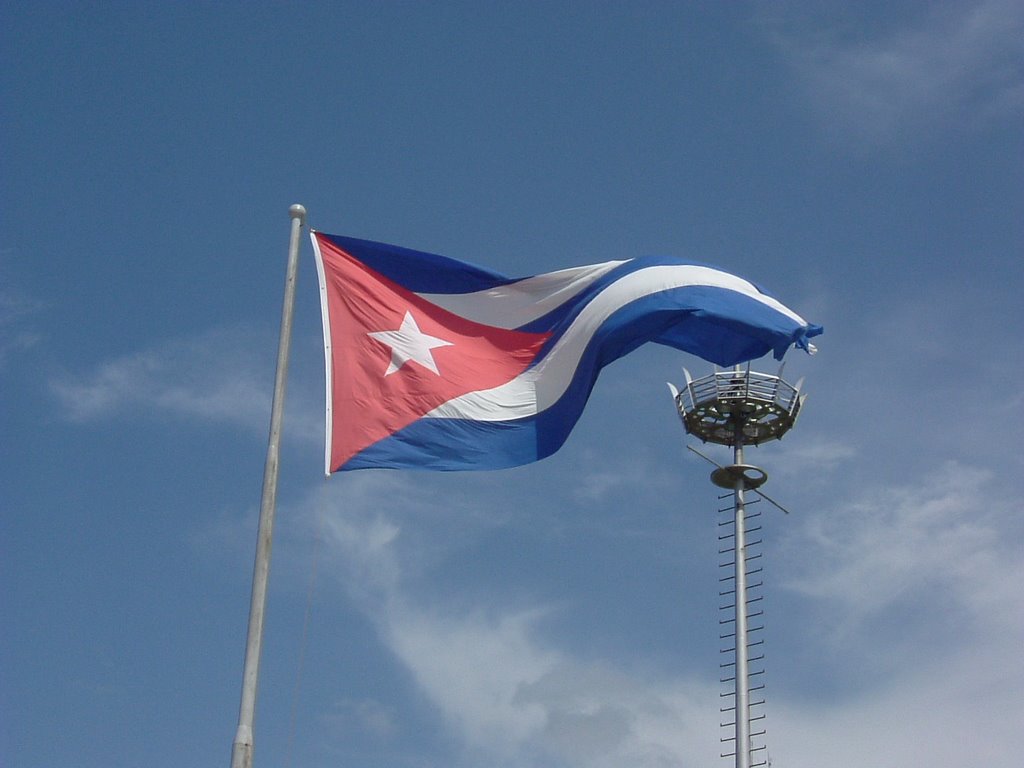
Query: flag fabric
pixel 437 364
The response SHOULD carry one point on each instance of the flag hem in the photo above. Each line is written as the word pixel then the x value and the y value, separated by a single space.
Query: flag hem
pixel 328 364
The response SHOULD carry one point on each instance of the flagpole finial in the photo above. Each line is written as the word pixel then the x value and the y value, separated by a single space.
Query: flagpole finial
pixel 297 212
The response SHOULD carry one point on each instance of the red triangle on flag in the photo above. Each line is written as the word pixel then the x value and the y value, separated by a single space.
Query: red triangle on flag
pixel 395 356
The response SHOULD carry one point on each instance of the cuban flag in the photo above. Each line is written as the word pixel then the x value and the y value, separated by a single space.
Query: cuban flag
pixel 437 364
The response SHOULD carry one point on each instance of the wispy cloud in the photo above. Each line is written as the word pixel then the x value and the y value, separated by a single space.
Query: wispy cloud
pixel 940 544
pixel 955 66
pixel 513 697
pixel 915 590
pixel 210 376
pixel 942 712
pixel 597 715
pixel 630 477
pixel 16 308
pixel 812 459
pixel 362 715
pixel 214 376
pixel 509 697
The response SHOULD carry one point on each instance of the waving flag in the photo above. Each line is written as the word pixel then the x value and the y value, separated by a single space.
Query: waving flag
pixel 437 364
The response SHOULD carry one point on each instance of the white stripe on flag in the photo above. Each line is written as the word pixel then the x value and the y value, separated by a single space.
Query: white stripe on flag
pixel 540 387
pixel 516 304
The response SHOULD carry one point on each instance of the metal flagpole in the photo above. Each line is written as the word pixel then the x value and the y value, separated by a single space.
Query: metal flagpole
pixel 241 752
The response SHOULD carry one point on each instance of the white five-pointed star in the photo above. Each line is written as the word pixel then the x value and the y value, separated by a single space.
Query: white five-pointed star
pixel 409 343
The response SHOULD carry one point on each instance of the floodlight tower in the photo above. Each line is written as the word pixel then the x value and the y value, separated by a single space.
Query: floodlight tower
pixel 739 407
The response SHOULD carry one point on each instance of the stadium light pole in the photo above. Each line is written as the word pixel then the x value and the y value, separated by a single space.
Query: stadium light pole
pixel 742 686
pixel 738 408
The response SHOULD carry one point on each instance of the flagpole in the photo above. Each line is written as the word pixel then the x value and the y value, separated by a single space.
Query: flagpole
pixel 241 752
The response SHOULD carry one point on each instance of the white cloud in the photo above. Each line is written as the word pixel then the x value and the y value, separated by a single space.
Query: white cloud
pixel 942 541
pixel 214 376
pixel 811 458
pixel 941 558
pixel 15 310
pixel 367 716
pixel 515 701
pixel 514 698
pixel 957 65
pixel 595 715
pixel 471 666
pixel 511 699
pixel 944 713
pixel 629 476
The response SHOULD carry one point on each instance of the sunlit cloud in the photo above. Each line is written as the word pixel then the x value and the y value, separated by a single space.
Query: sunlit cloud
pixel 210 376
pixel 914 589
pixel 813 456
pixel 936 711
pixel 367 716
pixel 954 66
pixel 215 376
pixel 509 697
pixel 941 543
pixel 630 477
pixel 513 697
pixel 16 309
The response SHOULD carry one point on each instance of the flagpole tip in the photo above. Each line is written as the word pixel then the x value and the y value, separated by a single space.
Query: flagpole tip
pixel 297 212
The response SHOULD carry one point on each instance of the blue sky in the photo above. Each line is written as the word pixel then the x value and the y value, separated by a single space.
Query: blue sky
pixel 861 160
